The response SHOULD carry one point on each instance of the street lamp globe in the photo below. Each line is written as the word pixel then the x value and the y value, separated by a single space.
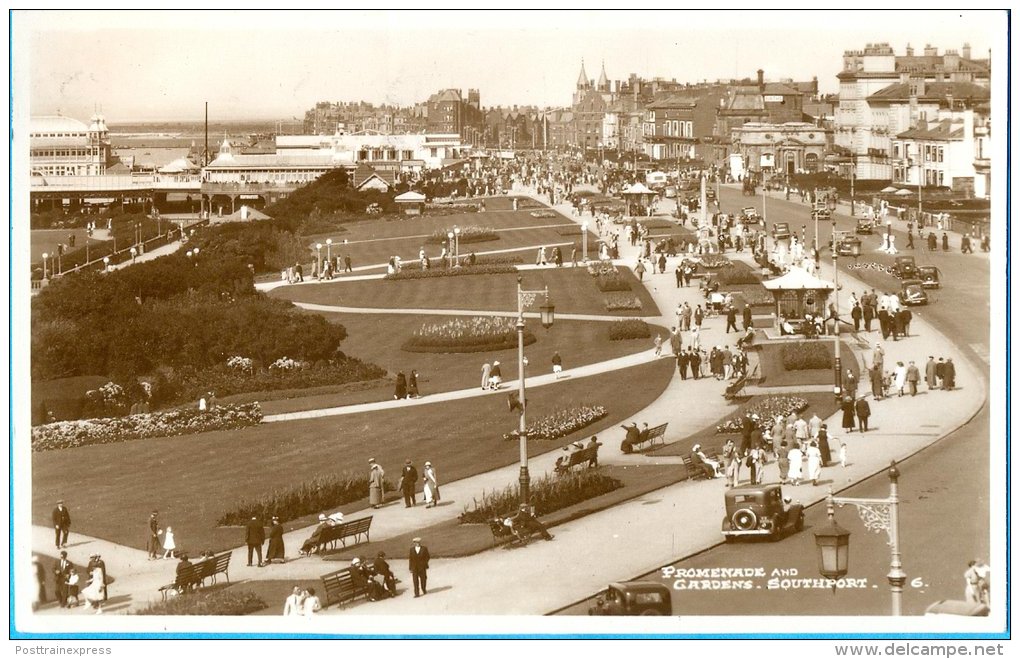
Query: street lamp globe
pixel 547 313
pixel 833 542
pixel 329 241
pixel 196 251
pixel 456 230
pixel 189 254
pixel 450 235
pixel 45 256
pixel 318 245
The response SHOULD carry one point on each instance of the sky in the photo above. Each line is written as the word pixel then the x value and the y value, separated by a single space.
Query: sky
pixel 148 66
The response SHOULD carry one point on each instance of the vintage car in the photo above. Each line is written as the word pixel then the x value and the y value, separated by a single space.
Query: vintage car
pixel 846 243
pixel 930 276
pixel 633 598
pixel 905 267
pixel 749 216
pixel 670 192
pixel 865 225
pixel 912 292
pixel 781 231
pixel 760 510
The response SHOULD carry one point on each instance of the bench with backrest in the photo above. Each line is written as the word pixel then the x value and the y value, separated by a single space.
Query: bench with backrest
pixel 695 470
pixel 340 588
pixel 339 533
pixel 586 456
pixel 195 574
pixel 654 433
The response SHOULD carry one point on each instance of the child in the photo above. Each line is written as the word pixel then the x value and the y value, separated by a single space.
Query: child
pixel 842 454
pixel 72 588
pixel 658 345
pixel 168 543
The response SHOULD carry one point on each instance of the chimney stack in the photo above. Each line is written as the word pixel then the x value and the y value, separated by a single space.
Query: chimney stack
pixel 761 80
pixel 966 51
pixel 910 50
pixel 930 51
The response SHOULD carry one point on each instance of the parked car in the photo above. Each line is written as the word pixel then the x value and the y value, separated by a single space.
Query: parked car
pixel 633 598
pixel 781 231
pixel 760 510
pixel 749 216
pixel 670 192
pixel 905 267
pixel 865 225
pixel 846 244
pixel 930 276
pixel 912 292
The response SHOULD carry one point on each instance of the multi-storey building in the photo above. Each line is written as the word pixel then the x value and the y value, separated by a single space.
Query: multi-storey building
pixel 862 136
pixel 785 149
pixel 449 112
pixel 61 146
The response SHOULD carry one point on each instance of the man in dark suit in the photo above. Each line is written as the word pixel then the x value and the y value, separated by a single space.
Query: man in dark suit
pixel 61 571
pixel 747 316
pixel 408 481
pixel 61 524
pixel 682 360
pixel 255 535
pixel 153 544
pixel 863 411
pixel 695 364
pixel 418 564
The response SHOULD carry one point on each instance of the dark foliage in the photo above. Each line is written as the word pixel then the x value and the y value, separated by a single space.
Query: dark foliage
pixel 629 329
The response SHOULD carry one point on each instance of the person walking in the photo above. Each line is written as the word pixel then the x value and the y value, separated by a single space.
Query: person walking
pixel 292 606
pixel 913 377
pixel 814 463
pixel 863 411
pixel 796 458
pixel 375 484
pixel 254 536
pixel 275 551
pixel 949 375
pixel 400 390
pixel 823 444
pixel 557 364
pixel 900 377
pixel 93 592
pixel 412 385
pixel 347 263
pixel 783 461
pixel 62 570
pixel 61 524
pixel 486 371
pixel 848 413
pixel 169 543
pixel 154 531
pixel 418 565
pixel 408 482
pixel 431 486
pixel 731 319
pixel 747 317
pixel 639 270
pixel 679 273
pixel 929 373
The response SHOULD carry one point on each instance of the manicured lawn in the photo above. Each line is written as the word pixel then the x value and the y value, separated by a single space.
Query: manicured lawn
pixel 46 240
pixel 378 339
pixel 572 290
pixel 771 359
pixel 191 480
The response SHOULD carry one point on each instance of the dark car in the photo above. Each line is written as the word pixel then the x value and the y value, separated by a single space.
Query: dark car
pixel 633 598
pixel 930 276
pixel 760 510
pixel 905 267
pixel 781 231
pixel 865 225
pixel 846 244
pixel 912 292
pixel 749 216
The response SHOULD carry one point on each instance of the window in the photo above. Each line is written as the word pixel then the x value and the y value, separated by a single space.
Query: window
pixel 940 155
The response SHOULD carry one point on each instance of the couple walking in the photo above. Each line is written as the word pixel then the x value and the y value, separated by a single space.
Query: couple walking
pixel 409 479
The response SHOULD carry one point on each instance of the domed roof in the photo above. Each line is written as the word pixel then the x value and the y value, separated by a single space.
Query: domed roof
pixel 56 124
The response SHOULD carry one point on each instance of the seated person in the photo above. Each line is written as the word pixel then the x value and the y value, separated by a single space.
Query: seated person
pixel 747 340
pixel 627 445
pixel 712 468
pixel 361 578
pixel 381 569
pixel 525 523
pixel 312 543
pixel 786 327
pixel 182 566
pixel 336 519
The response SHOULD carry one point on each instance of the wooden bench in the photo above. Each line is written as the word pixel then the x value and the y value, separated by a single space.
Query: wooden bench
pixel 339 533
pixel 655 433
pixel 586 456
pixel 694 470
pixel 195 574
pixel 340 588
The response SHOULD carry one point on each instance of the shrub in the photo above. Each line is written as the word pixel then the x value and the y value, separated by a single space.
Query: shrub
pixel 214 603
pixel 433 272
pixel 612 281
pixel 547 494
pixel 737 273
pixel 562 423
pixel 621 302
pixel 755 295
pixel 767 408
pixel 629 329
pixel 806 355
pixel 657 223
pixel 172 423
pixel 467 235
pixel 307 498
pixel 477 334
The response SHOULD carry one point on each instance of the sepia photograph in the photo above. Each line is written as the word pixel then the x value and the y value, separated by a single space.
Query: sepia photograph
pixel 660 323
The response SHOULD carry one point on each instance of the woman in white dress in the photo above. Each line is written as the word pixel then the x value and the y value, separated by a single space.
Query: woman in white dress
pixel 900 376
pixel 431 486
pixel 169 545
pixel 814 462
pixel 796 456
pixel 93 593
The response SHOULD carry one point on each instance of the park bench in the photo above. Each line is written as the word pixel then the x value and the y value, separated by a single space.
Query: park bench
pixel 501 532
pixel 586 456
pixel 195 574
pixel 655 433
pixel 694 469
pixel 340 587
pixel 339 533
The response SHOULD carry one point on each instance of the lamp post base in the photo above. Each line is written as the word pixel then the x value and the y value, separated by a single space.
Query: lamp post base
pixel 525 486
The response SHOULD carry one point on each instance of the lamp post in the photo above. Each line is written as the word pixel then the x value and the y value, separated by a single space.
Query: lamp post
pixel 106 262
pixel 833 542
pixel 456 241
pixel 584 242
pixel 547 315
pixel 329 247
pixel 853 173
pixel 45 256
pixel 318 259
pixel 449 242
pixel 837 366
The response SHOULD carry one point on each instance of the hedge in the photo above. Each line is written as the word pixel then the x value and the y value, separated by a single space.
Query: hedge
pixel 418 273
pixel 621 302
pixel 306 498
pixel 629 329
pixel 610 282
pixel 547 494
pixel 467 235
pixel 214 603
pixel 172 423
pixel 807 355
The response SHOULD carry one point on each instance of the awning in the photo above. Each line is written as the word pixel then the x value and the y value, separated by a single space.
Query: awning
pixel 798 279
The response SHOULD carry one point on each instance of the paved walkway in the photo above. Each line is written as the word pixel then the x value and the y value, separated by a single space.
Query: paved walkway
pixel 162 250
pixel 671 522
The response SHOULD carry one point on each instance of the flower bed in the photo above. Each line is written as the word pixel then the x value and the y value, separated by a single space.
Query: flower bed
pixel 543 213
pixel 807 355
pixel 600 268
pixel 657 223
pixel 714 262
pixel 737 273
pixel 172 423
pixel 621 302
pixel 478 334
pixel 480 259
pixel 547 494
pixel 610 282
pixel 562 423
pixel 767 409
pixel 754 294
pixel 467 235
pixel 307 498
pixel 629 329
pixel 207 603
pixel 573 230
pixel 464 270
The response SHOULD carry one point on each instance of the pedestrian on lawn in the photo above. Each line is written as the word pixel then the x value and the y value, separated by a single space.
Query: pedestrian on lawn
pixel 412 385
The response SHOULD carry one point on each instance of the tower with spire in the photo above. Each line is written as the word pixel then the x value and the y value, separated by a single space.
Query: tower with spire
pixel 603 85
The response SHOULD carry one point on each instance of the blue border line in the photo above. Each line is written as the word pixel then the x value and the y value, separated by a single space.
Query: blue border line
pixel 18 635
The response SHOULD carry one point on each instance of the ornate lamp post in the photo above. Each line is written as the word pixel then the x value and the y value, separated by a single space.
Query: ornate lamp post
pixel 456 242
pixel 449 253
pixel 45 257
pixel 837 366
pixel 584 242
pixel 833 542
pixel 106 262
pixel 329 248
pixel 547 316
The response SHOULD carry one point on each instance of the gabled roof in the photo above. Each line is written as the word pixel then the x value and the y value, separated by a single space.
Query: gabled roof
pixel 410 196
pixel 363 174
pixel 673 101
pixel 780 89
pixel 941 130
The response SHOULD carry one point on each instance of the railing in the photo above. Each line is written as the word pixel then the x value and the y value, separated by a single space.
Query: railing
pixel 113 183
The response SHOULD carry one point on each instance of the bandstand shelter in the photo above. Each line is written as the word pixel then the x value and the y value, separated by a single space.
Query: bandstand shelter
pixel 411 202
pixel 639 194
pixel 798 293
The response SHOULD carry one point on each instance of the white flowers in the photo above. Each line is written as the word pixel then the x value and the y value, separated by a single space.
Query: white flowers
pixel 286 364
pixel 243 364
pixel 562 423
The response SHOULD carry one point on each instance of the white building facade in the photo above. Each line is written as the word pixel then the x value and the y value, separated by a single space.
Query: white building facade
pixel 62 146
